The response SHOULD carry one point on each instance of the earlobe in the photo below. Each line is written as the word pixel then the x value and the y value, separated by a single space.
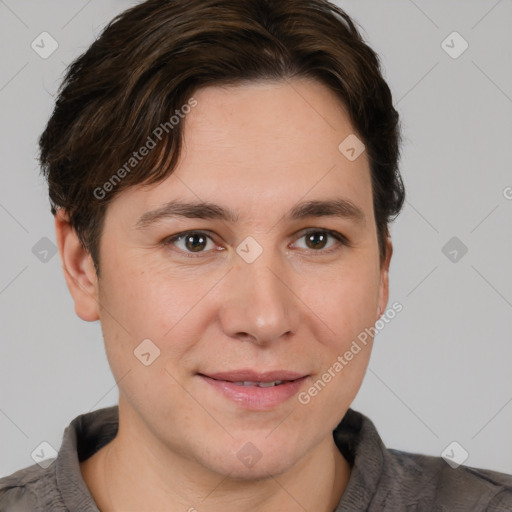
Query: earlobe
pixel 384 279
pixel 78 269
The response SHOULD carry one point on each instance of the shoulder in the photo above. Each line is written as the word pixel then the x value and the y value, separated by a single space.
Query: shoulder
pixel 59 486
pixel 29 489
pixel 385 479
pixel 430 482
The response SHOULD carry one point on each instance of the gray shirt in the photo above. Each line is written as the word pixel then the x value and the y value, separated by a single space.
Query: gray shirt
pixel 381 480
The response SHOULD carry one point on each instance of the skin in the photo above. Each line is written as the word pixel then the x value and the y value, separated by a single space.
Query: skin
pixel 258 149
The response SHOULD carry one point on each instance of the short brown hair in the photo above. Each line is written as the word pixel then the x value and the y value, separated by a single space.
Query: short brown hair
pixel 149 60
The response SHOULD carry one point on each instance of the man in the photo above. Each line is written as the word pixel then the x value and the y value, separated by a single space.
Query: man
pixel 222 175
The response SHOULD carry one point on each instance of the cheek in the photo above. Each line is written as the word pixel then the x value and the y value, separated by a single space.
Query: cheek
pixel 345 301
pixel 143 300
pixel 141 315
pixel 348 309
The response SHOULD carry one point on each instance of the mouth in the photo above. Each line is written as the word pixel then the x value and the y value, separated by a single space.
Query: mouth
pixel 261 384
pixel 251 378
pixel 256 390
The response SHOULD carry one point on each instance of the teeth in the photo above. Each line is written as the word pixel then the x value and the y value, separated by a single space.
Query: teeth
pixel 259 384
pixel 269 384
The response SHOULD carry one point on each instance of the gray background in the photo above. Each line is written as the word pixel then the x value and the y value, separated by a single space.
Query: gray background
pixel 440 371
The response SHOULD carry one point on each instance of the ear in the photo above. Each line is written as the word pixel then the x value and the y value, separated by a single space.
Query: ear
pixel 384 279
pixel 78 268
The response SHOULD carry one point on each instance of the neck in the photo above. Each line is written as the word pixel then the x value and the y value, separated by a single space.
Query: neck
pixel 130 474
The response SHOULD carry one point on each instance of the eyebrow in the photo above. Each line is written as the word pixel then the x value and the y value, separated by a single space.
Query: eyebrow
pixel 342 208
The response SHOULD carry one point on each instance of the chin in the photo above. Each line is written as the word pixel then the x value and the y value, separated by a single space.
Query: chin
pixel 249 463
pixel 262 470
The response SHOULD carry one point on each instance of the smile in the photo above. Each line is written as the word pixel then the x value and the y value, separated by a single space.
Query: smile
pixel 255 391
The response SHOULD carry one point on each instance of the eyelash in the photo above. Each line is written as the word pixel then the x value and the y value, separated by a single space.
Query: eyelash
pixel 342 241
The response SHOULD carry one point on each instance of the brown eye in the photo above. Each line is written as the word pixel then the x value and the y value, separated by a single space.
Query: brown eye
pixel 195 242
pixel 316 240
pixel 191 242
pixel 319 240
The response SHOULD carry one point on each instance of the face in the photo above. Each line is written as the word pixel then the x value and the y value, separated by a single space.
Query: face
pixel 262 287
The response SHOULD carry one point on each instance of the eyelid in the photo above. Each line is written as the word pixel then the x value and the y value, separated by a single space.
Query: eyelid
pixel 341 239
pixel 174 238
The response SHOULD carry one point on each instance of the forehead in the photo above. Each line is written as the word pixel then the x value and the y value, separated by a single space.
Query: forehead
pixel 271 125
pixel 263 146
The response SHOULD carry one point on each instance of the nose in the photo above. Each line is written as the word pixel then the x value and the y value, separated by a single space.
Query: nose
pixel 259 303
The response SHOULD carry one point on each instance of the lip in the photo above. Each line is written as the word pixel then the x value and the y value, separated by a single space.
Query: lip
pixel 251 375
pixel 254 397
